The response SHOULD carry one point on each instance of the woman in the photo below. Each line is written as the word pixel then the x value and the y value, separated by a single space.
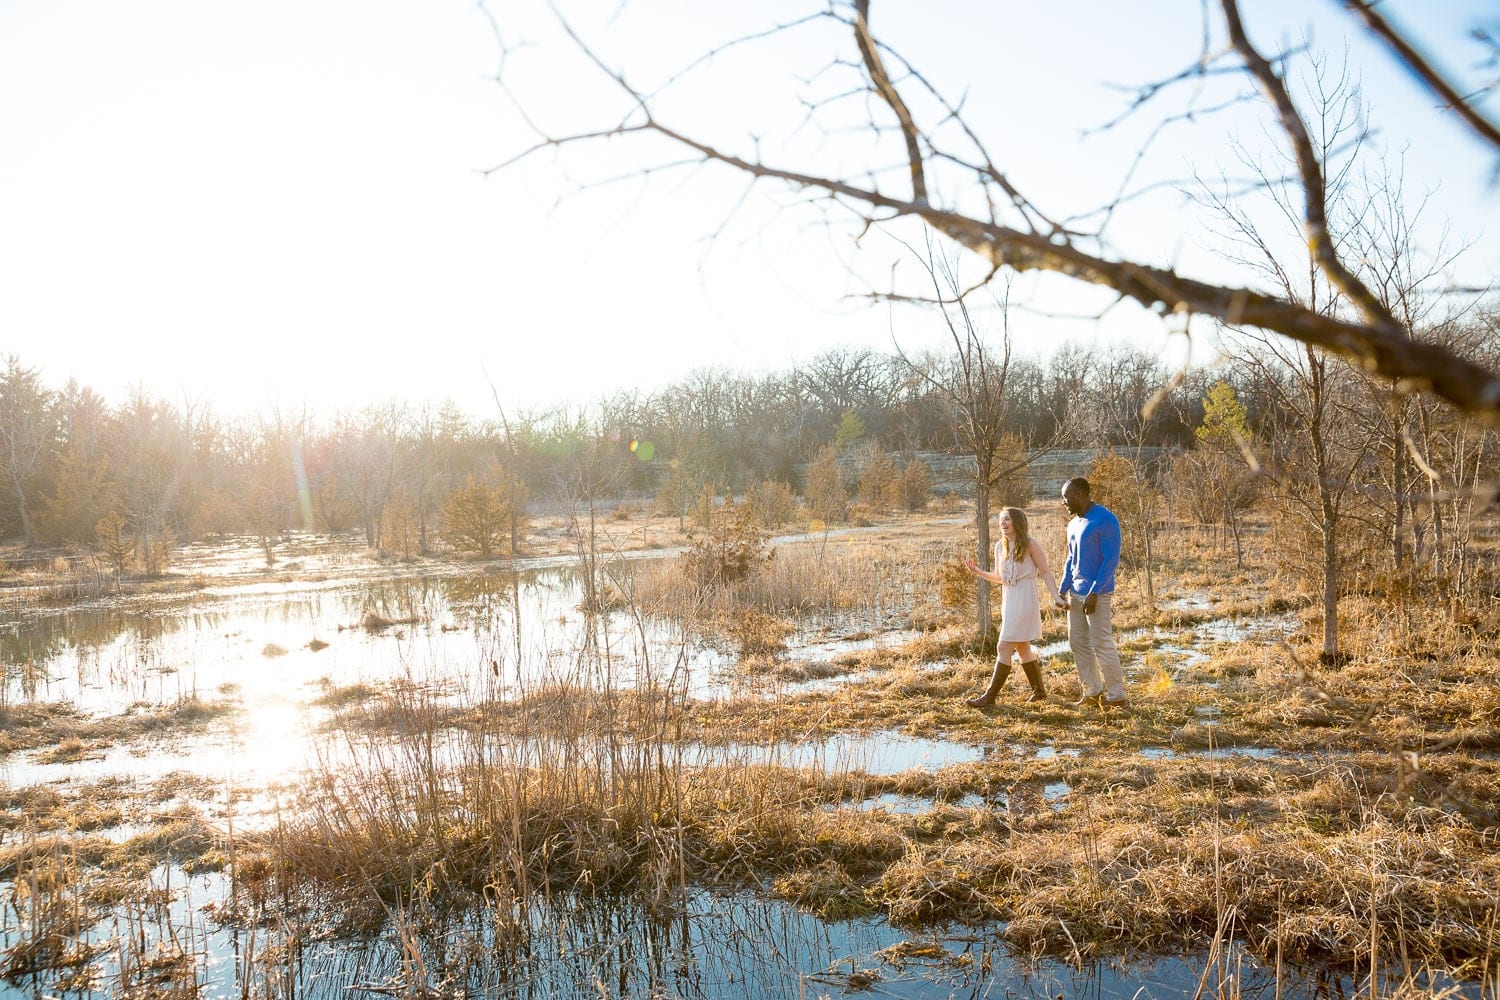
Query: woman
pixel 1019 559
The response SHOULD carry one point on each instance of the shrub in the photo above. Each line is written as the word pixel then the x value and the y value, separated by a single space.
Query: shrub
pixel 957 589
pixel 478 515
pixel 825 496
pixel 703 509
pixel 113 540
pixel 756 633
pixel 154 550
pixel 880 484
pixel 733 548
pixel 916 485
pixel 773 502
pixel 400 526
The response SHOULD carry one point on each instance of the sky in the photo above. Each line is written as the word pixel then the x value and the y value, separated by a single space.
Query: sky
pixel 257 203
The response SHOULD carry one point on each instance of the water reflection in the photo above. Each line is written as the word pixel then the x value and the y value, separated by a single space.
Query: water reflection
pixel 702 945
pixel 449 628
pixel 878 754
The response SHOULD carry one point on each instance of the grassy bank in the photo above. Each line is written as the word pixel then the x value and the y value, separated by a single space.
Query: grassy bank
pixel 1344 816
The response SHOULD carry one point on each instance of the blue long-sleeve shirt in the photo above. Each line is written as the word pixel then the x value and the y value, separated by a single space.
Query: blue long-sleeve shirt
pixel 1093 553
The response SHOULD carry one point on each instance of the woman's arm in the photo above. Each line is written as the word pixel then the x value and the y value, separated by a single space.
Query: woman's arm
pixel 982 574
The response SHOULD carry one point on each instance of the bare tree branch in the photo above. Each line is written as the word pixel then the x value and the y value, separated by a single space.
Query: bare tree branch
pixel 1374 342
pixel 1313 183
pixel 892 97
pixel 1422 68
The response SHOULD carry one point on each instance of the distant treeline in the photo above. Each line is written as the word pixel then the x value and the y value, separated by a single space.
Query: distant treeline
pixel 72 466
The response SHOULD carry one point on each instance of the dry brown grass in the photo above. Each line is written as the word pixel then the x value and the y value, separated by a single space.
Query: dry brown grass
pixel 1129 868
pixel 1363 836
pixel 69 734
pixel 1315 858
pixel 833 574
pixel 48 899
pixel 1372 833
pixel 63 884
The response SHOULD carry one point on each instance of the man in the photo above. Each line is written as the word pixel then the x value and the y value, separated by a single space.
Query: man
pixel 1086 589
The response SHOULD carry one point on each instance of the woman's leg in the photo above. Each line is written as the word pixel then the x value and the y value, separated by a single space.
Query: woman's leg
pixel 1031 663
pixel 997 677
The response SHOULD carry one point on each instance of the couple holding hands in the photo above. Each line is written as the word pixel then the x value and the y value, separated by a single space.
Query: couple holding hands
pixel 1086 591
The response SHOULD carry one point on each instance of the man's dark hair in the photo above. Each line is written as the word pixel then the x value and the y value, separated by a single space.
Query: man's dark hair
pixel 1080 484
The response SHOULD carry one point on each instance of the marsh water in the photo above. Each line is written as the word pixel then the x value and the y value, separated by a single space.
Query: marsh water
pixel 275 645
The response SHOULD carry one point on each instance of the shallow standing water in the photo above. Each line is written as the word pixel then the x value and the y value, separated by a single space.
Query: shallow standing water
pixel 276 647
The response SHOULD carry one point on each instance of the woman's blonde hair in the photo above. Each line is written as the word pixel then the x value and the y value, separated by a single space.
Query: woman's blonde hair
pixel 1021 528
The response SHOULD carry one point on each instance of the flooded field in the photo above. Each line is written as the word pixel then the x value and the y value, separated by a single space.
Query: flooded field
pixel 273 651
pixel 155 735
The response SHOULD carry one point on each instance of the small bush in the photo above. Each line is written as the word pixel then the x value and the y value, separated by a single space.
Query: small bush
pixel 154 550
pixel 774 503
pixel 824 494
pixel 733 549
pixel 477 516
pixel 950 503
pixel 704 508
pixel 880 484
pixel 757 633
pixel 956 585
pixel 916 485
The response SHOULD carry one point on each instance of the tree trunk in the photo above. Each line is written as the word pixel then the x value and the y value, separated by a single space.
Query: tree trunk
pixel 984 628
pixel 27 534
pixel 1330 587
pixel 1149 529
pixel 1438 534
pixel 1398 486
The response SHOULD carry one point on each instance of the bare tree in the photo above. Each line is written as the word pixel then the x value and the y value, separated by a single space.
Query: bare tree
pixel 947 170
pixel 369 457
pixel 1384 242
pixel 274 487
pixel 1322 450
pixel 1457 458
pixel 27 430
pixel 583 480
pixel 145 438
pixel 1319 457
pixel 975 386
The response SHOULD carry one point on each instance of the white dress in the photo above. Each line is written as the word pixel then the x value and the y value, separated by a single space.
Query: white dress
pixel 1020 609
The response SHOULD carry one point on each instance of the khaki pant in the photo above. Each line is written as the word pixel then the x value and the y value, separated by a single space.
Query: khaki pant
pixel 1092 638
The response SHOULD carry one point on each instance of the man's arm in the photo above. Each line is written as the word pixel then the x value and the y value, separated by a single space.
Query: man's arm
pixel 1065 582
pixel 1090 557
pixel 1109 549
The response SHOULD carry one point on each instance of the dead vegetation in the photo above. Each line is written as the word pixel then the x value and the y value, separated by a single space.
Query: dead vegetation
pixel 1338 815
pixel 69 734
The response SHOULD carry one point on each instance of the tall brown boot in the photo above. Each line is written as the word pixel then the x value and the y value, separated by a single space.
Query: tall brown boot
pixel 1002 671
pixel 1033 670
